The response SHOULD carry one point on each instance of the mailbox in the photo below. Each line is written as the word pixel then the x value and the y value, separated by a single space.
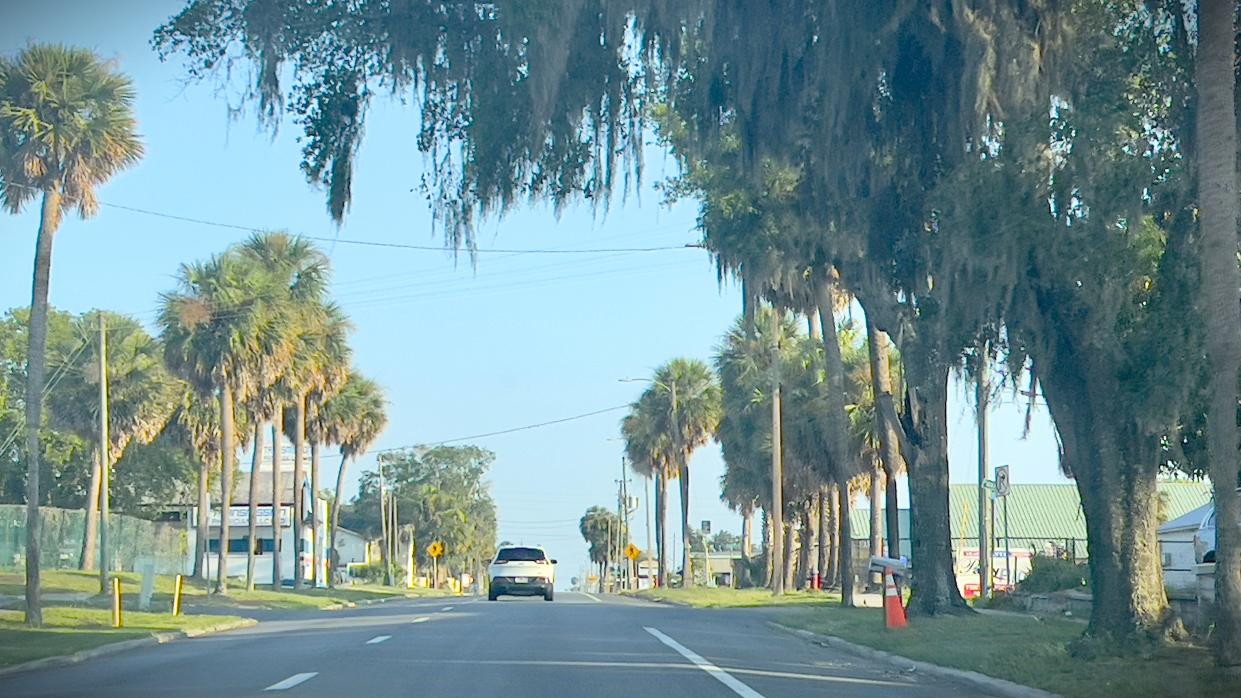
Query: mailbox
pixel 900 568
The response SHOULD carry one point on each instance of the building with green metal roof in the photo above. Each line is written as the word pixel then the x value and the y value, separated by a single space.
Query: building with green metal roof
pixel 1038 515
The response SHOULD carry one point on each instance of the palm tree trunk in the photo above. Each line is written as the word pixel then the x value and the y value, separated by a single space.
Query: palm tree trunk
pixel 202 522
pixel 316 548
pixel 768 558
pixel 87 561
pixel 846 545
pixel 335 517
pixel 747 532
pixel 252 533
pixel 36 369
pixel 805 547
pixel 879 351
pixel 299 501
pixel 661 526
pixel 825 537
pixel 1217 187
pixel 227 446
pixel 687 574
pixel 789 579
pixel 838 424
pixel 277 497
pixel 832 578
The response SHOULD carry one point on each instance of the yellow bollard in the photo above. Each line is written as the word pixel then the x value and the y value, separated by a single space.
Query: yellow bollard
pixel 116 602
pixel 176 596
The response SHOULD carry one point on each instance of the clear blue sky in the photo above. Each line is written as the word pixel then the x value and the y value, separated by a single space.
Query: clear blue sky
pixel 519 340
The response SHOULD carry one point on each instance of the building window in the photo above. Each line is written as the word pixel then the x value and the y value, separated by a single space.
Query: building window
pixel 1167 559
pixel 235 545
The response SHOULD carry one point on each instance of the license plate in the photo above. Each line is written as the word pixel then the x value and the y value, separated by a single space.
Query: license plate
pixel 521 580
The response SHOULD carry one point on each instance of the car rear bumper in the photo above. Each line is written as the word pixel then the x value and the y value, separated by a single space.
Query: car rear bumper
pixel 509 586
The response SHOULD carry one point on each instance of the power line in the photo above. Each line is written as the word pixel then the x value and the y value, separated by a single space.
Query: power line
pixel 471 437
pixel 377 243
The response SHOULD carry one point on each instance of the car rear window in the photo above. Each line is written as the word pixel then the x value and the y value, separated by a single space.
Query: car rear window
pixel 520 555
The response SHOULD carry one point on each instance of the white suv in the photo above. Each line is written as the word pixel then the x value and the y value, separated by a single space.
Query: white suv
pixel 521 571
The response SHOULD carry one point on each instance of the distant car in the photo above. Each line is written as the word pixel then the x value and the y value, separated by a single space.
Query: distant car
pixel 521 571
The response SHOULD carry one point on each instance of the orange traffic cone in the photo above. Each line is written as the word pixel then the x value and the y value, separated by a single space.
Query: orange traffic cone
pixel 894 612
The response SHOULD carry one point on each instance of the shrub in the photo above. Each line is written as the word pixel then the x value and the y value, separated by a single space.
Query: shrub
pixel 1053 574
pixel 373 572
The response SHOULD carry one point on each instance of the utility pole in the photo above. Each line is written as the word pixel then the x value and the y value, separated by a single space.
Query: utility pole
pixel 104 465
pixel 383 523
pixel 982 398
pixel 620 512
pixel 777 480
pixel 649 545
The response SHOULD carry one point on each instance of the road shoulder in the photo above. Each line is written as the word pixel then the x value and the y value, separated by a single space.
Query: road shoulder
pixel 155 638
pixel 992 685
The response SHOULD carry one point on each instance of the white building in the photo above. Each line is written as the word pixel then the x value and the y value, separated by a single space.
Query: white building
pixel 1176 543
pixel 351 549
pixel 265 538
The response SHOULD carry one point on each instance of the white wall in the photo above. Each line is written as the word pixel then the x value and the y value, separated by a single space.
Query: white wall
pixel 1177 553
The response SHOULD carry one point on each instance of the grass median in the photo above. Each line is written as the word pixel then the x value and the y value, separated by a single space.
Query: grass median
pixel 1025 650
pixel 703 597
pixel 70 629
pixel 81 589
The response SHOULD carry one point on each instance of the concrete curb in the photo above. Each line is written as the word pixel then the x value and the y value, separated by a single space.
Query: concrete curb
pixel 386 599
pixel 998 687
pixel 664 602
pixel 155 638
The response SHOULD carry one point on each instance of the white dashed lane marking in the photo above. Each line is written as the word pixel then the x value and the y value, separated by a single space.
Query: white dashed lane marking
pixel 717 673
pixel 292 681
pixel 378 639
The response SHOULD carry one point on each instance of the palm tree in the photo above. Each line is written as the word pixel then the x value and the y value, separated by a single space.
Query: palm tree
pixel 196 426
pixel 66 126
pixel 598 526
pixel 333 374
pixel 647 450
pixel 352 419
pixel 142 396
pixel 686 401
pixel 223 337
pixel 745 361
pixel 322 360
pixel 299 274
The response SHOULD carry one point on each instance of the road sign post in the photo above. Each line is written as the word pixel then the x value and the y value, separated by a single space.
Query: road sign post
pixel 1003 486
pixel 435 550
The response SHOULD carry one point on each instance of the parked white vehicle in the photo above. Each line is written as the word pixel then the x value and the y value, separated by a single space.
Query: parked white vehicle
pixel 520 570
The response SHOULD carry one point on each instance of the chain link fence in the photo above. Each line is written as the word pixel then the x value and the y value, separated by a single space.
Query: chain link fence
pixel 129 539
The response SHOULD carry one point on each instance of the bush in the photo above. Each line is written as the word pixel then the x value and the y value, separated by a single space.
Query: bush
pixel 1053 574
pixel 373 572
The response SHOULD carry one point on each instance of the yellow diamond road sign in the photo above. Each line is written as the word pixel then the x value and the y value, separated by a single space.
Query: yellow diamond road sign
pixel 435 549
pixel 632 552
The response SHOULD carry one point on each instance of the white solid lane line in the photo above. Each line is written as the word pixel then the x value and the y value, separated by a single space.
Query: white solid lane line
pixel 378 639
pixel 292 681
pixel 719 674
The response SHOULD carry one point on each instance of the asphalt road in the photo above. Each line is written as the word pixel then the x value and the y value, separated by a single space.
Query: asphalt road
pixel 579 645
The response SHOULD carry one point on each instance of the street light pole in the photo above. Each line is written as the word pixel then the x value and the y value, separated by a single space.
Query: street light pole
pixel 104 465
pixel 984 550
pixel 777 482
pixel 649 545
